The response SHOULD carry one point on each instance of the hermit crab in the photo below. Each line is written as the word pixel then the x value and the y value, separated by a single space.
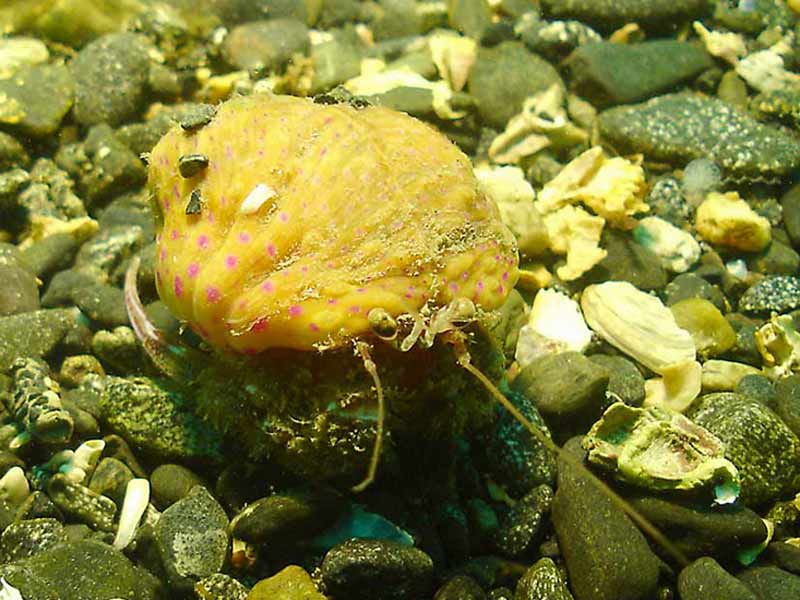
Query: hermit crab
pixel 338 260
pixel 322 250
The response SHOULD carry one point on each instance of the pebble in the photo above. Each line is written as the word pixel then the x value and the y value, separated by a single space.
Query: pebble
pixel 553 39
pixel 51 254
pixel 12 153
pixel 771 583
pixel 460 587
pixel 335 61
pixel 677 128
pixel 758 387
pixel 705 576
pixel 608 15
pixel 74 369
pixel 150 419
pixel 503 77
pixel 512 456
pixel 110 478
pixel 19 292
pixel 287 518
pixel 234 12
pixel 608 73
pixel 170 483
pixel 470 17
pixel 790 203
pixel 110 79
pixel 82 504
pixel 691 285
pixel 763 448
pixel 522 526
pixel 34 334
pixel 376 570
pixel 266 45
pixel 628 261
pixel 776 293
pixel 787 401
pixel 542 581
pixel 607 557
pixel 28 537
pixel 777 259
pixel 567 388
pixel 220 587
pixel 65 283
pixel 698 531
pixel 17 52
pixel 625 381
pixel 103 573
pixel 34 101
pixel 191 537
pixel 712 334
pixel 114 167
pixel 104 304
pixel 291 583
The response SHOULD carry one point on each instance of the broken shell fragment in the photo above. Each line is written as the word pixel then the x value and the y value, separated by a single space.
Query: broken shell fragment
pixel 576 233
pixel 727 220
pixel 638 324
pixel 555 324
pixel 724 375
pixel 676 248
pixel 677 387
pixel 778 342
pixel 659 450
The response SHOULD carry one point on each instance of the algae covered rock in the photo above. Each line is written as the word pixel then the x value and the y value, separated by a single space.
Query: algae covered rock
pixel 677 128
pixel 765 451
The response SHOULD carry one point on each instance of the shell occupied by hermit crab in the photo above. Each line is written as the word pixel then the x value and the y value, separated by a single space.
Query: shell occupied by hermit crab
pixel 283 223
pixel 288 231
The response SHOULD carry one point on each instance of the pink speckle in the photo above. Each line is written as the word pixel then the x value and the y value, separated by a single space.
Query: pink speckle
pixel 332 301
pixel 268 286
pixel 284 217
pixel 173 235
pixel 295 310
pixel 330 264
pixel 354 309
pixel 327 121
pixel 176 192
pixel 497 257
pixel 313 327
pixel 500 289
pixel 505 276
pixel 323 152
pixel 178 286
pixel 244 237
pixel 210 216
pixel 213 294
pixel 361 290
pixel 464 276
pixel 192 270
pixel 158 277
pixel 228 151
pixel 271 250
pixel 202 241
pixel 259 324
pixel 162 254
pixel 231 261
pixel 166 203
pixel 479 286
pixel 453 287
pixel 304 269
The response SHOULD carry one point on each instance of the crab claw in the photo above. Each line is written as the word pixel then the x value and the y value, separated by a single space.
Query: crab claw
pixel 170 359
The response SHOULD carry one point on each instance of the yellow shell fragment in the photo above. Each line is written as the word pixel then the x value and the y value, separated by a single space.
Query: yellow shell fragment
pixel 359 209
pixel 727 220
pixel 576 233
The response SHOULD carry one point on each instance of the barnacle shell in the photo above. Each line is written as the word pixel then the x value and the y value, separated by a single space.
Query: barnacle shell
pixel 363 209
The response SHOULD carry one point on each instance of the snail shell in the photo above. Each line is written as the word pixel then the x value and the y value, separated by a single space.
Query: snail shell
pixel 301 218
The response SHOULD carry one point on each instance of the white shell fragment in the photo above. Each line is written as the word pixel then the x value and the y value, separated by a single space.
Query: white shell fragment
pixel 8 591
pixel 677 387
pixel 677 249
pixel 84 460
pixel 256 198
pixel 14 487
pixel 555 324
pixel 638 324
pixel 137 498
pixel 778 342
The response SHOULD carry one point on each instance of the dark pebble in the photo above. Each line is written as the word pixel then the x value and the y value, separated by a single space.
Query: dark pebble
pixel 542 581
pixel 111 478
pixel 625 381
pixel 265 45
pixel 170 483
pixel 376 570
pixel 790 202
pixel 288 517
pixel 785 555
pixel 787 402
pixel 608 15
pixel 607 557
pixel 31 536
pixel 104 304
pixel 19 292
pixel 35 100
pixel 521 528
pixel 460 587
pixel 780 293
pixel 771 583
pixel 705 578
pixel 51 254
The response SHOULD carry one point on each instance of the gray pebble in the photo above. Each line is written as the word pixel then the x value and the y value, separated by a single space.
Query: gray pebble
pixel 51 254
pixel 608 15
pixel 771 583
pixel 625 381
pixel 778 293
pixel 787 401
pixel 82 504
pixel 110 478
pixel 265 45
pixel 19 292
pixel 104 304
pixel 521 527
pixel 460 587
pixel 28 537
pixel 763 448
pixel 170 483
pixel 192 539
pixel 376 570
pixel 36 99
pixel 677 128
pixel 705 576
pixel 110 79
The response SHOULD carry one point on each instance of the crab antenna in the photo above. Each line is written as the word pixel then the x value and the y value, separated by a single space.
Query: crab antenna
pixel 166 357
pixel 362 348
pixel 464 360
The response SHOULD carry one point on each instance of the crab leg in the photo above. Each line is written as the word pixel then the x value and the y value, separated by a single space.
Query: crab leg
pixel 457 340
pixel 362 348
